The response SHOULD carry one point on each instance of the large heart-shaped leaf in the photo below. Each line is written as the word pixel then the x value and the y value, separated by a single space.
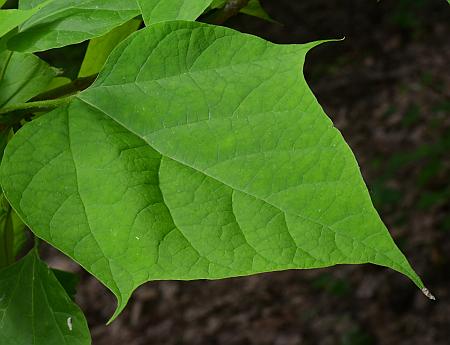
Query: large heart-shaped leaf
pixel 199 152
pixel 35 308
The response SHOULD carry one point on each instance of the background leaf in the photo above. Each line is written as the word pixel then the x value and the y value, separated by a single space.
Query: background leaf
pixel 12 234
pixel 68 281
pixel 35 309
pixel 9 19
pixel 99 48
pixel 214 160
pixel 154 11
pixel 67 22
pixel 57 82
pixel 255 9
pixel 22 76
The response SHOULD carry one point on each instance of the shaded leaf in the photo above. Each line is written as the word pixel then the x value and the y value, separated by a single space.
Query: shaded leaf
pixel 100 48
pixel 6 227
pixel 12 229
pixel 22 76
pixel 255 9
pixel 65 22
pixel 57 82
pixel 199 152
pixel 12 234
pixel 35 309
pixel 154 11
pixel 68 281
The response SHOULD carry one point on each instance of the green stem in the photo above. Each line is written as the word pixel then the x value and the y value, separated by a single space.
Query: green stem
pixel 67 89
pixel 38 106
pixel 37 242
pixel 231 8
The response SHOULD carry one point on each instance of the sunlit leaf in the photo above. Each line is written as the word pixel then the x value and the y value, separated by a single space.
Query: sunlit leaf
pixel 198 153
pixel 155 11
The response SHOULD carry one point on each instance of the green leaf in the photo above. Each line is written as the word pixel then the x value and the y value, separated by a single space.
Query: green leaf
pixel 27 4
pixel 12 229
pixel 22 76
pixel 154 11
pixel 35 309
pixel 67 22
pixel 255 9
pixel 215 4
pixel 100 48
pixel 9 19
pixel 12 234
pixel 57 82
pixel 198 153
pixel 5 135
pixel 6 234
pixel 68 281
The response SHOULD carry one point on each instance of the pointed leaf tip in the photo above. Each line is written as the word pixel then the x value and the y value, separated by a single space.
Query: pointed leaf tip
pixel 427 293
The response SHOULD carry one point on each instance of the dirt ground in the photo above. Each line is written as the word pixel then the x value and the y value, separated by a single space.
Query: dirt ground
pixel 387 88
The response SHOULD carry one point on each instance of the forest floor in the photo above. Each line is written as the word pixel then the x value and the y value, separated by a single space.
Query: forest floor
pixel 387 88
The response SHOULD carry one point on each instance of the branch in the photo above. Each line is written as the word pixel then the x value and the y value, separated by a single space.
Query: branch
pixel 231 8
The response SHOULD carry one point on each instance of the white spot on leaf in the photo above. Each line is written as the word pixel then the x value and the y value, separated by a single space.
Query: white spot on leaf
pixel 69 323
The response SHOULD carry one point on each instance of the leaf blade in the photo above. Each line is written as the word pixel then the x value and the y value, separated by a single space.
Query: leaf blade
pixel 216 162
pixel 154 11
pixel 99 48
pixel 22 76
pixel 69 21
pixel 33 287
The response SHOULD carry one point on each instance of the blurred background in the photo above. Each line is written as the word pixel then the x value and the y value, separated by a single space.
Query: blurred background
pixel 387 88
